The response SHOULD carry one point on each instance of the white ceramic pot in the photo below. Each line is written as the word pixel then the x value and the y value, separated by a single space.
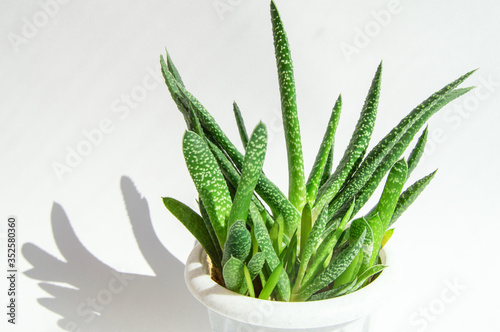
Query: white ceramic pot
pixel 231 312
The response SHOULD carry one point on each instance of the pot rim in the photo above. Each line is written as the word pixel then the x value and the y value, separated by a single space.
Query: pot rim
pixel 276 314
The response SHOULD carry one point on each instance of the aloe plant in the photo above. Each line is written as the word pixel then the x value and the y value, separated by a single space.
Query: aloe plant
pixel 309 244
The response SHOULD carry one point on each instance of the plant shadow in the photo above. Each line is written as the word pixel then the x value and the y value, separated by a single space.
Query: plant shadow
pixel 101 298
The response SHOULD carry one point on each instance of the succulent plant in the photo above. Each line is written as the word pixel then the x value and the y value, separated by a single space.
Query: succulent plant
pixel 307 245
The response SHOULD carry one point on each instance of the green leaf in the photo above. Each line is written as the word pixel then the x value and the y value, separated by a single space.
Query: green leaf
pixel 255 264
pixel 209 182
pixel 417 152
pixel 266 246
pixel 350 273
pixel 171 83
pixel 335 292
pixel 354 285
pixel 267 190
pixel 378 230
pixel 328 168
pixel 271 283
pixel 310 246
pixel 326 147
pixel 211 232
pixel 194 223
pixel 241 124
pixel 306 225
pixel 357 146
pixel 172 69
pixel 234 177
pixel 336 267
pixel 297 187
pixel 248 284
pixel 381 158
pixel 254 267
pixel 233 274
pixel 410 195
pixel 387 236
pixel 238 243
pixel 325 249
pixel 252 168
pixel 358 226
pixel 367 274
pixel 392 189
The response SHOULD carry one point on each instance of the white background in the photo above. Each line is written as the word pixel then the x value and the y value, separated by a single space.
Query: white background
pixel 71 70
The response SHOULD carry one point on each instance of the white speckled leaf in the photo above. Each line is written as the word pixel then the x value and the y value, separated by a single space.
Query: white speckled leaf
pixel 250 173
pixel 381 158
pixel 324 152
pixel 267 190
pixel 233 274
pixel 357 227
pixel 336 267
pixel 417 152
pixel 238 243
pixel 357 146
pixel 296 176
pixel 266 246
pixel 392 189
pixel 410 195
pixel 241 124
pixel 209 182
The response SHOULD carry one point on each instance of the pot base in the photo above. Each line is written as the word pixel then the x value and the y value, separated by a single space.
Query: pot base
pixel 225 324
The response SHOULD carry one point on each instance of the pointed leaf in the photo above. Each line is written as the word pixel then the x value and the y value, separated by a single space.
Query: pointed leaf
pixel 194 223
pixel 367 274
pixel 310 246
pixel 267 190
pixel 328 168
pixel 324 251
pixel 172 69
pixel 357 146
pixel 410 195
pixel 378 231
pixel 335 292
pixel 336 267
pixel 297 186
pixel 241 124
pixel 248 285
pixel 255 264
pixel 252 168
pixel 211 232
pixel 238 243
pixel 350 273
pixel 417 152
pixel 266 246
pixel 381 158
pixel 323 154
pixel 358 226
pixel 272 282
pixel 392 189
pixel 233 274
pixel 387 236
pixel 209 182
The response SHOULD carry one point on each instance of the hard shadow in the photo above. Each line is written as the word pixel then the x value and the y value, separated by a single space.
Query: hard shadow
pixel 104 299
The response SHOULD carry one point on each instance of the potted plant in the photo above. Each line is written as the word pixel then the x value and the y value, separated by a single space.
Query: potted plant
pixel 269 261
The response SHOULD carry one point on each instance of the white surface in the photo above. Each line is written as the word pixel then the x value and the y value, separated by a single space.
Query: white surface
pixel 76 69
